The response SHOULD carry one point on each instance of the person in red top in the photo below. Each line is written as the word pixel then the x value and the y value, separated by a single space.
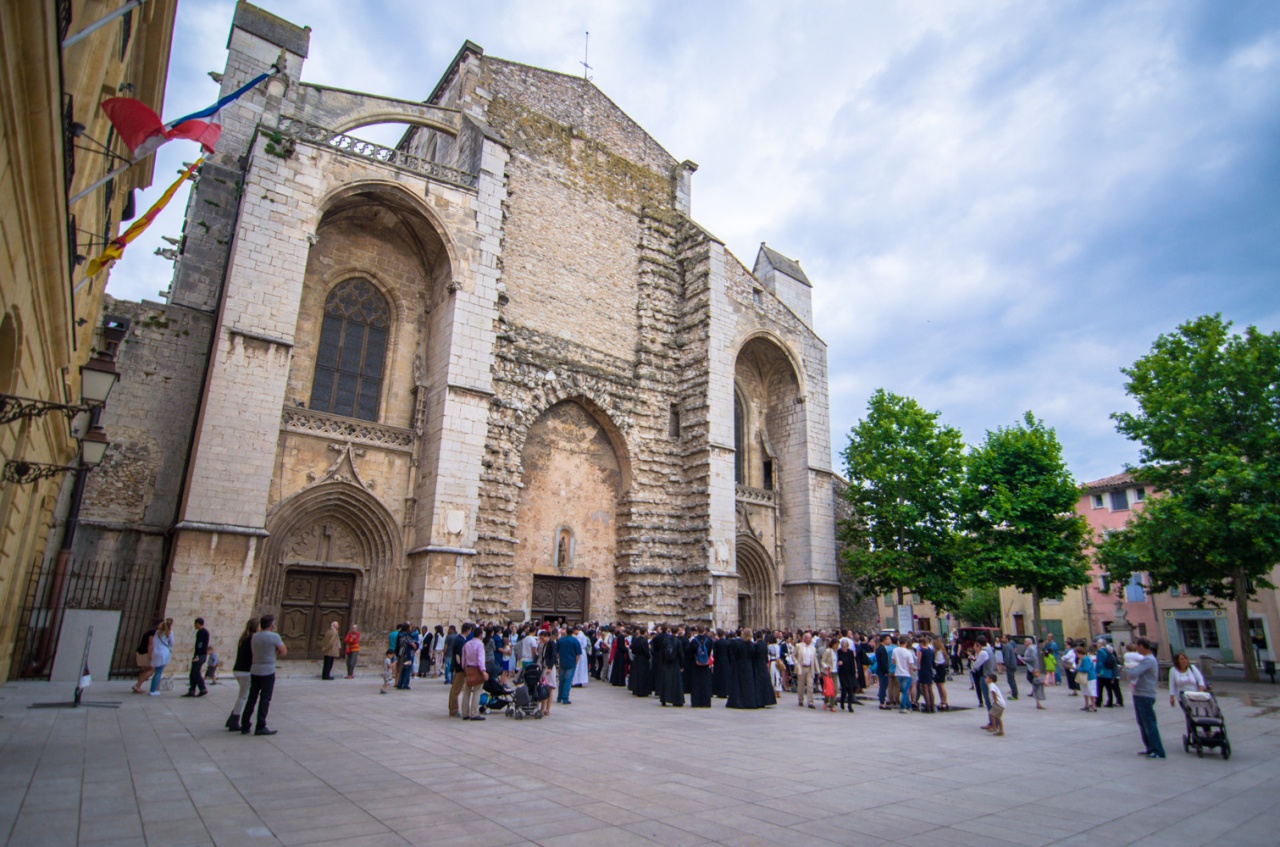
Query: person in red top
pixel 352 643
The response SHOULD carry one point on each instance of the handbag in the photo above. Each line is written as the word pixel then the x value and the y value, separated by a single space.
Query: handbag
pixel 475 676
pixel 828 686
pixel 1082 678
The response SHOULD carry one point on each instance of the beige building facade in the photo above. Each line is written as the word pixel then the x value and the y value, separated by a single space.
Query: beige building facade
pixel 53 143
pixel 496 372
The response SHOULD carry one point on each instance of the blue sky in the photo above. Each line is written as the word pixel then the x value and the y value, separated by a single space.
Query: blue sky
pixel 1000 204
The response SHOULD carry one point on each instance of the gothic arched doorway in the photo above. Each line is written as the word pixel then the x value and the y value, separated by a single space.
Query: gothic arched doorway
pixel 756 589
pixel 331 556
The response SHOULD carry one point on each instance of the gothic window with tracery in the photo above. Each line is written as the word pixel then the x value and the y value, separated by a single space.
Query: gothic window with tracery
pixel 352 351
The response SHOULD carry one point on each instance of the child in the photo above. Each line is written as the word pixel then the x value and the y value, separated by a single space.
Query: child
pixel 211 668
pixel 1037 688
pixel 995 716
pixel 388 671
pixel 1087 676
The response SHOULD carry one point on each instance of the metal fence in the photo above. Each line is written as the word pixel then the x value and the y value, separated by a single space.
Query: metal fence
pixel 56 585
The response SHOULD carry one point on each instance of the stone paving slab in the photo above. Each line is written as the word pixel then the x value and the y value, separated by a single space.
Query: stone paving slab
pixel 350 767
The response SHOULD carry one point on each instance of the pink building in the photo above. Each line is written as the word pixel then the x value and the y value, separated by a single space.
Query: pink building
pixel 1107 504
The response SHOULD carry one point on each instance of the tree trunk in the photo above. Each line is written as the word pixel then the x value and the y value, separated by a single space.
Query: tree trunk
pixel 1035 614
pixel 1240 588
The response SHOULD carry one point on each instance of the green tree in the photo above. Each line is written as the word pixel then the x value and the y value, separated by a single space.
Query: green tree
pixel 980 606
pixel 1208 421
pixel 904 471
pixel 1019 512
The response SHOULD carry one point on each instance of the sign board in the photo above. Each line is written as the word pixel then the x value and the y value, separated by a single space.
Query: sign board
pixel 906 622
pixel 67 661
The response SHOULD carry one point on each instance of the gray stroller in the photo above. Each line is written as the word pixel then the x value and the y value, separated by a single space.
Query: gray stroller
pixel 1206 728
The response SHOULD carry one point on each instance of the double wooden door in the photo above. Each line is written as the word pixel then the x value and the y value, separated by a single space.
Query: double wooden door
pixel 557 597
pixel 312 601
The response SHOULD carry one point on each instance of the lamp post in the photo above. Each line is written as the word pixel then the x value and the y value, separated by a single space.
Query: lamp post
pixel 97 377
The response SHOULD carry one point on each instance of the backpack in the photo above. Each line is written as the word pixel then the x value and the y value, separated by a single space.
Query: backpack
pixel 1108 659
pixel 669 648
pixel 701 655
pixel 874 669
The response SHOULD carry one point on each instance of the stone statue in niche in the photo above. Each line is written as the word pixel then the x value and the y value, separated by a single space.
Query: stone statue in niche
pixel 564 547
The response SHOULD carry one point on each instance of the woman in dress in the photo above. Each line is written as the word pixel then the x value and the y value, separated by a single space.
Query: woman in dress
pixel 720 665
pixel 161 647
pixel 941 665
pixel 775 665
pixel 764 684
pixel 925 677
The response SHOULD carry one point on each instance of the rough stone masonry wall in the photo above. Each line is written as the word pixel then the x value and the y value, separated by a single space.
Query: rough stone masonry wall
pixel 622 359
pixel 130 500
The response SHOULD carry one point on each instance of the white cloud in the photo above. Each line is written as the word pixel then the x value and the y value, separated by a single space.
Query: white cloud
pixel 1000 204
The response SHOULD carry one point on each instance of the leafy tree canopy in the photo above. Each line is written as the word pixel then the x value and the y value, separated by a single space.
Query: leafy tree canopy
pixel 1208 421
pixel 904 470
pixel 1019 512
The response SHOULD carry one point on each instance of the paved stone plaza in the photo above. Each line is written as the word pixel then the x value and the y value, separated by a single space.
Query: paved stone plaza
pixel 353 768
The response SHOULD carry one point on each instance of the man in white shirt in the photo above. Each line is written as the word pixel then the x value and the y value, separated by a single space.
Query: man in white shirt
pixel 528 648
pixel 904 665
pixel 806 662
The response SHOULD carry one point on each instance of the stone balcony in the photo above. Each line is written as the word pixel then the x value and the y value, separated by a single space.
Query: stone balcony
pixel 347 430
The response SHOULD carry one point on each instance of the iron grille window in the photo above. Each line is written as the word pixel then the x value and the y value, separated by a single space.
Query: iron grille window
pixel 68 138
pixel 64 19
pixel 352 350
pixel 126 29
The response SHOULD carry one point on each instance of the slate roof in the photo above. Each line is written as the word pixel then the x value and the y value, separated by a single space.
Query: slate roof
pixel 790 267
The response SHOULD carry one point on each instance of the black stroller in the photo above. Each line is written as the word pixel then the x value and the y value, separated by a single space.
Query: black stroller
pixel 494 697
pixel 1205 725
pixel 526 699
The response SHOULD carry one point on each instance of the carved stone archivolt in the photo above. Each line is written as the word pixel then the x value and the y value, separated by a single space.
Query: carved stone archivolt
pixel 337 522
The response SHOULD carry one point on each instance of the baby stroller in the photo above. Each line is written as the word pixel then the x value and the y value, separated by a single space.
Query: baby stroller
pixel 528 695
pixel 494 697
pixel 1205 724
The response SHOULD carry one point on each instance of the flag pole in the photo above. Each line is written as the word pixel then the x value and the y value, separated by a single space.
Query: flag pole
pixel 110 176
pixel 101 22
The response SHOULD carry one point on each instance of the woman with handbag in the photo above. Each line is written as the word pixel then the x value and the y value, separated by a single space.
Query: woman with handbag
pixel 161 648
pixel 941 663
pixel 828 664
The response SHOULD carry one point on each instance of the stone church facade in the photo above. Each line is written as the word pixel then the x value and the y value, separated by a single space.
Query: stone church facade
pixel 496 372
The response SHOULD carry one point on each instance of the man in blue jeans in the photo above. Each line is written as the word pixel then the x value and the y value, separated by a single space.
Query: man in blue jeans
pixel 1144 678
pixel 568 649
pixel 904 662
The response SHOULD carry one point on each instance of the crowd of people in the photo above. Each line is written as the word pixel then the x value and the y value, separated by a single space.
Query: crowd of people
pixel 746 669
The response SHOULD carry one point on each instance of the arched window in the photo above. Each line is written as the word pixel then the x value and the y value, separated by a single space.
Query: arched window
pixel 352 351
pixel 739 441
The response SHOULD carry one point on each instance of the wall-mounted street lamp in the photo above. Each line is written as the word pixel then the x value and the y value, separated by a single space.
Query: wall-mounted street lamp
pixel 97 377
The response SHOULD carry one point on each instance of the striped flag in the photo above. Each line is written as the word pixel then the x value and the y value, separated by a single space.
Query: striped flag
pixel 116 248
pixel 142 131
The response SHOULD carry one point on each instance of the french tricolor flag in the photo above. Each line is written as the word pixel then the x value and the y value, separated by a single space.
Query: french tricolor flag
pixel 142 131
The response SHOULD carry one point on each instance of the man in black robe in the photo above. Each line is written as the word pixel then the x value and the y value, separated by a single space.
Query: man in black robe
pixel 742 680
pixel 720 665
pixel 669 683
pixel 764 680
pixel 641 680
pixel 619 659
pixel 698 662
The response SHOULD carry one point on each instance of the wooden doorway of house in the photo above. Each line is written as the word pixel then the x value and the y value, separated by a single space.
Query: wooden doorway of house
pixel 557 597
pixel 312 600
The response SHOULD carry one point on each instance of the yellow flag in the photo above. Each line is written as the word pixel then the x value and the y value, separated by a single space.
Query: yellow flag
pixel 116 248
